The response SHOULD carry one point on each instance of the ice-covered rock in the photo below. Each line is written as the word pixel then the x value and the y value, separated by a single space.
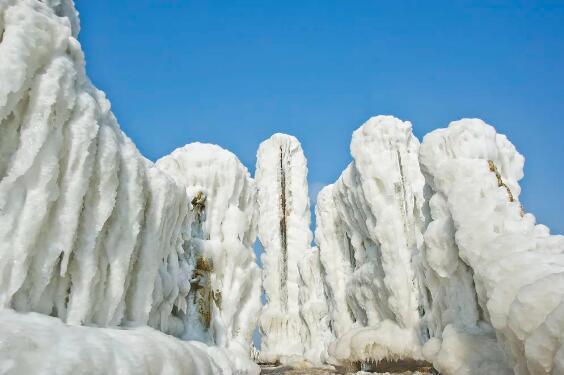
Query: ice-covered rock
pixel 283 229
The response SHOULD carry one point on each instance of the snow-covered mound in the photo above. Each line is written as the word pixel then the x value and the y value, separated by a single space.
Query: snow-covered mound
pixel 283 229
pixel 92 232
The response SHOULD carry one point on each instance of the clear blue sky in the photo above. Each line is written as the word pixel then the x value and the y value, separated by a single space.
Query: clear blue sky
pixel 233 73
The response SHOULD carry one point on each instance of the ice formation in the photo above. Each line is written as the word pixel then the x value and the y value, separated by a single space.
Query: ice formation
pixel 92 232
pixel 369 231
pixel 428 254
pixel 283 229
pixel 224 302
pixel 422 251
pixel 517 266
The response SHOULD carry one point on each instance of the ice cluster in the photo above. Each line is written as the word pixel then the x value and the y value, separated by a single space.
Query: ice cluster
pixel 110 263
pixel 428 254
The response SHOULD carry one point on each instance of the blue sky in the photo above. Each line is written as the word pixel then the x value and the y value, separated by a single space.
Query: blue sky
pixel 234 72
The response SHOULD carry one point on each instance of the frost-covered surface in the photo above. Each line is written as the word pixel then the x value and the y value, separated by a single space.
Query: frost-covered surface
pixel 37 344
pixel 283 229
pixel 517 266
pixel 92 232
pixel 224 302
pixel 370 225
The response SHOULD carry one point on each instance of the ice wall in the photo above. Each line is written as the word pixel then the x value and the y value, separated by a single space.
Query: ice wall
pixel 87 225
pixel 370 225
pixel 90 231
pixel 517 266
pixel 224 302
pixel 283 229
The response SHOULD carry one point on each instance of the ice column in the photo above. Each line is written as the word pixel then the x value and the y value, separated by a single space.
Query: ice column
pixel 283 229
pixel 370 225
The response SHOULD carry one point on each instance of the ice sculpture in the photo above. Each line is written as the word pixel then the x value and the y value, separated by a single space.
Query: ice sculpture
pixel 283 229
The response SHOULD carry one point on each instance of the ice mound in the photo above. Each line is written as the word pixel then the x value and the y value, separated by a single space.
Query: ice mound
pixel 283 229
pixel 316 334
pixel 385 340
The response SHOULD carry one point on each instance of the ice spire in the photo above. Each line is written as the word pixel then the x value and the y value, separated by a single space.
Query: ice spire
pixel 283 229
